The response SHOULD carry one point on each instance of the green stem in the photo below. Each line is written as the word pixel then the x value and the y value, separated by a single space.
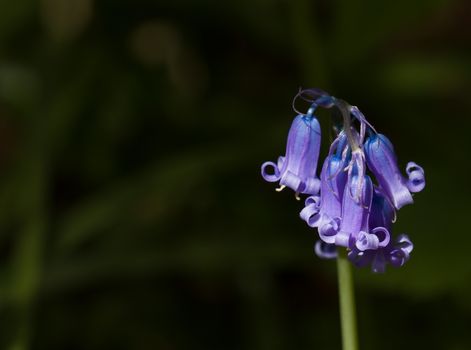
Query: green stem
pixel 347 302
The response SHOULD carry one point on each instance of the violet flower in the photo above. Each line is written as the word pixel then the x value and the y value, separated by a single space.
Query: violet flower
pixel 324 212
pixel 376 248
pixel 297 169
pixel 355 211
pixel 382 162
pixel 350 211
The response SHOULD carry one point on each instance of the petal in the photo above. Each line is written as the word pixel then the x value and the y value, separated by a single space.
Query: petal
pixel 378 264
pixel 355 213
pixel 378 238
pixel 329 229
pixel 416 176
pixel 333 180
pixel 382 162
pixel 311 215
pixel 398 257
pixel 404 243
pixel 292 181
pixel 302 153
pixel 281 161
pixel 367 241
pixel 401 252
pixel 359 258
pixel 312 186
pixel 382 212
pixel 341 239
pixel 312 200
pixel 324 250
pixel 383 236
pixel 274 175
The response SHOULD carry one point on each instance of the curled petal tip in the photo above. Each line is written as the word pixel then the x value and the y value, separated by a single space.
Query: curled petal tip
pixel 312 200
pixel 405 243
pixel 416 174
pixel 270 176
pixel 329 229
pixel 398 257
pixel 310 214
pixel 383 236
pixel 324 250
pixel 371 241
pixel 366 241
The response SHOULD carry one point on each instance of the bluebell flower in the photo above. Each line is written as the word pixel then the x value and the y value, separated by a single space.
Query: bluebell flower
pixel 297 169
pixel 374 246
pixel 355 210
pixel 377 233
pixel 382 162
pixel 324 212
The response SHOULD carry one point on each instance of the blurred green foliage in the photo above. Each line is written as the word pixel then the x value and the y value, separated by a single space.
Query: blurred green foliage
pixel 132 212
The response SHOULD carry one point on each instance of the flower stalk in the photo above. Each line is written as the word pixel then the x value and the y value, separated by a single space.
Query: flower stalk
pixel 347 302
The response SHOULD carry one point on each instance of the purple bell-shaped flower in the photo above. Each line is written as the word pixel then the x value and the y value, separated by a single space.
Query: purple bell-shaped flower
pixel 376 247
pixel 355 210
pixel 382 162
pixel 324 212
pixel 297 169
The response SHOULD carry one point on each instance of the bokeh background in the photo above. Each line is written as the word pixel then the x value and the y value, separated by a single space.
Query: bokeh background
pixel 132 211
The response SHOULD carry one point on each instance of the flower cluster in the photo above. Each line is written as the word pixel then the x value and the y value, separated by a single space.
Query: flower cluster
pixel 354 202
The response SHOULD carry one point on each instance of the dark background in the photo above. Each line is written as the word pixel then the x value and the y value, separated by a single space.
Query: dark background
pixel 132 210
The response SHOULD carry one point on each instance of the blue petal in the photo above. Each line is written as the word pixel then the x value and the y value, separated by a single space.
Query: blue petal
pixel 382 162
pixel 325 251
pixel 272 176
pixel 382 212
pixel 310 212
pixel 297 169
pixel 416 176
pixel 355 212
pixel 302 153
pixel 366 241
pixel 333 179
pixel 329 229
pixel 378 238
pixel 328 206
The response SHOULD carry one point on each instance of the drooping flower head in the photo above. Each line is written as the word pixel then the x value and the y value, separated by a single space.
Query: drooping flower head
pixel 351 211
